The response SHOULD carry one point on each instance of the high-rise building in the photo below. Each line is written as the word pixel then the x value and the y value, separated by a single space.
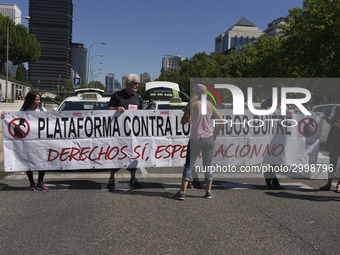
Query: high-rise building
pixel 12 11
pixel 243 32
pixel 51 22
pixel 144 77
pixel 110 82
pixel 170 63
pixel 79 60
pixel 118 86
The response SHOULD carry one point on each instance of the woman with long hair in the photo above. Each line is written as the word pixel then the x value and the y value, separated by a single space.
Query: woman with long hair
pixel 33 103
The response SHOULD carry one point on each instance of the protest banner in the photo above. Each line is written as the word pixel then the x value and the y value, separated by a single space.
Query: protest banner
pixel 145 138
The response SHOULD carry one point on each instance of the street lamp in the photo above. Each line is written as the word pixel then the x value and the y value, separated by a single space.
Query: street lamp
pixel 58 83
pixel 91 69
pixel 26 17
pixel 88 61
pixel 100 55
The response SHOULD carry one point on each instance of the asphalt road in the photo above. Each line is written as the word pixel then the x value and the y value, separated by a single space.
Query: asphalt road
pixel 80 216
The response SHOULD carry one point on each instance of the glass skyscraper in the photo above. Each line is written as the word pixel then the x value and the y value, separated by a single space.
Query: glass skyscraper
pixel 51 22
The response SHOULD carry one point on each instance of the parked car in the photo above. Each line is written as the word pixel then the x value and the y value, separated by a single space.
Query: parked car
pixel 49 104
pixel 174 103
pixel 328 110
pixel 85 99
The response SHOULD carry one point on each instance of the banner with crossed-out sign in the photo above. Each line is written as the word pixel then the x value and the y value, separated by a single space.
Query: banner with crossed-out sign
pixel 145 138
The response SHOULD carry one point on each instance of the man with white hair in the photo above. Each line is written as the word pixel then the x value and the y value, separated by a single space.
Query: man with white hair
pixel 126 99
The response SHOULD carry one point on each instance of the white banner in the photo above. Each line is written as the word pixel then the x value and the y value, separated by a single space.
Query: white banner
pixel 144 138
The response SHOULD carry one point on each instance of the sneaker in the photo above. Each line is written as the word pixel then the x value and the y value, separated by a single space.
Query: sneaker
pixel 111 183
pixel 41 186
pixel 32 186
pixel 179 196
pixel 135 183
pixel 208 195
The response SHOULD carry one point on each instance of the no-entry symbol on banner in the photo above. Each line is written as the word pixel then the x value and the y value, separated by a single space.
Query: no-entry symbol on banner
pixel 19 128
pixel 308 127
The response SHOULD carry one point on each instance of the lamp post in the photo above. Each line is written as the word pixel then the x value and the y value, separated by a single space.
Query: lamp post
pixel 100 55
pixel 95 75
pixel 91 70
pixel 11 19
pixel 58 83
pixel 88 61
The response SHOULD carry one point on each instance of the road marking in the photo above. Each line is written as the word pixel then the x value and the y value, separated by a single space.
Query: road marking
pixel 295 186
pixel 58 187
pixel 143 170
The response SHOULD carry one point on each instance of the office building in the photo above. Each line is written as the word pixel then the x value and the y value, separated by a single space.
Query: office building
pixel 51 23
pixel 79 60
pixel 243 32
pixel 170 63
pixel 273 29
pixel 110 82
pixel 144 77
pixel 12 11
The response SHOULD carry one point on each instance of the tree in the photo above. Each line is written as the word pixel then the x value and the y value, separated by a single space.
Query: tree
pixel 23 47
pixel 311 41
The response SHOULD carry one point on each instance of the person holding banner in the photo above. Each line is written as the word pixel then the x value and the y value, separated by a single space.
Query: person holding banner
pixel 126 99
pixel 333 144
pixel 33 103
pixel 202 138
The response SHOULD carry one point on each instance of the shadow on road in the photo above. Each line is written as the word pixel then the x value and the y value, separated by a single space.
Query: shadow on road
pixel 322 198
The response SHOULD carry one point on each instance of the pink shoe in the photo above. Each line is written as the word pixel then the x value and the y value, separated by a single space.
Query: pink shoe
pixel 32 186
pixel 41 186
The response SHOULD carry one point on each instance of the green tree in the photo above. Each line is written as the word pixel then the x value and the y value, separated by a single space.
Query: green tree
pixel 23 47
pixel 19 75
pixel 311 42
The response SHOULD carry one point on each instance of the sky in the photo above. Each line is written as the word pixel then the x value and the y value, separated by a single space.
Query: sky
pixel 138 33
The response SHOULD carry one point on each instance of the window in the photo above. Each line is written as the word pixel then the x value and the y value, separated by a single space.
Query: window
pixel 238 42
pixel 244 41
pixel 233 42
pixel 225 43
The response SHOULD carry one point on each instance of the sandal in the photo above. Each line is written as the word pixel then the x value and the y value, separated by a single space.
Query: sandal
pixel 326 187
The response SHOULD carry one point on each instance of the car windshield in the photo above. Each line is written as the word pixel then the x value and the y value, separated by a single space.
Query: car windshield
pixel 79 106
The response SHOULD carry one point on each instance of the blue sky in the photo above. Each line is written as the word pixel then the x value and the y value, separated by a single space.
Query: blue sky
pixel 139 32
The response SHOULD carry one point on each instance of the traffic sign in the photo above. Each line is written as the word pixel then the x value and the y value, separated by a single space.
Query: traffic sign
pixel 76 81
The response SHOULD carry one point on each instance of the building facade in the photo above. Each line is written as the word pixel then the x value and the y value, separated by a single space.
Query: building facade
pixel 51 23
pixel 273 29
pixel 12 11
pixel 79 60
pixel 170 63
pixel 110 82
pixel 243 32
pixel 144 77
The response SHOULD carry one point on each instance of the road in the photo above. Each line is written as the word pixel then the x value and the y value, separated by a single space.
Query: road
pixel 80 216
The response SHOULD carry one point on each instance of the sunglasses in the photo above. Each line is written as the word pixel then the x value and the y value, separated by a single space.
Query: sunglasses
pixel 135 83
